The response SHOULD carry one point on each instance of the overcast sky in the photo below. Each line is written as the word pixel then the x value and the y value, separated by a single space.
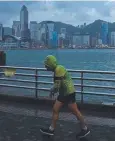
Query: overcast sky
pixel 74 13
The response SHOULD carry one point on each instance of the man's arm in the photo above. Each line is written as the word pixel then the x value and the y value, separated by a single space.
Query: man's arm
pixel 56 86
pixel 59 76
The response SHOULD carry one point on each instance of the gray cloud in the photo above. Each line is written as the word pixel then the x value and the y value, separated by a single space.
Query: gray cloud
pixel 70 12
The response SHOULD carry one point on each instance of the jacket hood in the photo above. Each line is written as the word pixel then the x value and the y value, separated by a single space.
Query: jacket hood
pixel 50 62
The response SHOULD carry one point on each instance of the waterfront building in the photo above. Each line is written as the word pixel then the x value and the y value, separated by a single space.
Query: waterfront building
pixel 25 32
pixel 16 28
pixel 1 32
pixel 112 38
pixel 104 33
pixel 34 30
pixel 7 31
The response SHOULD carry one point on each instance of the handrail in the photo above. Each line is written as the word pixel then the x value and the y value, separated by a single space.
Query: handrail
pixel 70 70
pixel 92 71
pixel 36 81
pixel 50 76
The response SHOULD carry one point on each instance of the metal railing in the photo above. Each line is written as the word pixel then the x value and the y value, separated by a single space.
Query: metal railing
pixel 81 78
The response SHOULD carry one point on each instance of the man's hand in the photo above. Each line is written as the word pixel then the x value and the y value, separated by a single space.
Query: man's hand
pixel 51 93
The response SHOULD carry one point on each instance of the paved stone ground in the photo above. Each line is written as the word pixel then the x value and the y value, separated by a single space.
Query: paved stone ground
pixel 21 122
pixel 15 127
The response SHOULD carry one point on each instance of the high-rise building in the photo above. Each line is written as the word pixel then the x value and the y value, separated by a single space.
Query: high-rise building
pixel 43 34
pixel 55 39
pixel 104 33
pixel 99 42
pixel 50 30
pixel 112 39
pixel 34 30
pixel 63 30
pixel 1 32
pixel 77 40
pixel 43 29
pixel 7 31
pixel 86 39
pixel 39 32
pixel 93 41
pixel 50 26
pixel 25 33
pixel 16 28
pixel 81 40
pixel 60 41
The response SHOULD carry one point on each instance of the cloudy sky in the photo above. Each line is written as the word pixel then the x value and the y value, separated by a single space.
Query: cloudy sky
pixel 75 13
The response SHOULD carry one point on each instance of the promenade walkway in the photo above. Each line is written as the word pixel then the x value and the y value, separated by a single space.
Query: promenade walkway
pixel 21 122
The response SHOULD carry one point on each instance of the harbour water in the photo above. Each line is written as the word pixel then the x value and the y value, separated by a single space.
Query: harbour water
pixel 84 59
pixel 79 59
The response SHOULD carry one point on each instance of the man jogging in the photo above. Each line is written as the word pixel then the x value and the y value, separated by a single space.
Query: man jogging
pixel 64 85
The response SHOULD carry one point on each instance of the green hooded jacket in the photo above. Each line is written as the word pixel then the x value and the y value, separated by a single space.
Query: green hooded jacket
pixel 62 79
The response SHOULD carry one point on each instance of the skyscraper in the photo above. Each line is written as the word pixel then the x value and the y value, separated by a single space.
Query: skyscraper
pixel 63 33
pixel 104 33
pixel 63 30
pixel 43 33
pixel 16 28
pixel 50 28
pixel 39 32
pixel 1 32
pixel 55 39
pixel 112 38
pixel 7 31
pixel 34 30
pixel 25 33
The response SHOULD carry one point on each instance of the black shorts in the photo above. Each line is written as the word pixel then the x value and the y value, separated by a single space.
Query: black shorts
pixel 67 99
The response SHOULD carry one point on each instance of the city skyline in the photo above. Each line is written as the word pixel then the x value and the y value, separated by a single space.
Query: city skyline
pixel 73 13
pixel 51 34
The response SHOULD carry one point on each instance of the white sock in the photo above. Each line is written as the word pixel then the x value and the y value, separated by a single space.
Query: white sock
pixel 51 128
pixel 85 128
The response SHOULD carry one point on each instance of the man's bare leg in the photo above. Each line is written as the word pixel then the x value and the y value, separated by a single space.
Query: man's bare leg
pixel 56 108
pixel 55 116
pixel 74 109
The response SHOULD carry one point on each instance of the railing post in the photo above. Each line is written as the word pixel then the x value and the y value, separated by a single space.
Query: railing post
pixel 82 87
pixel 36 79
